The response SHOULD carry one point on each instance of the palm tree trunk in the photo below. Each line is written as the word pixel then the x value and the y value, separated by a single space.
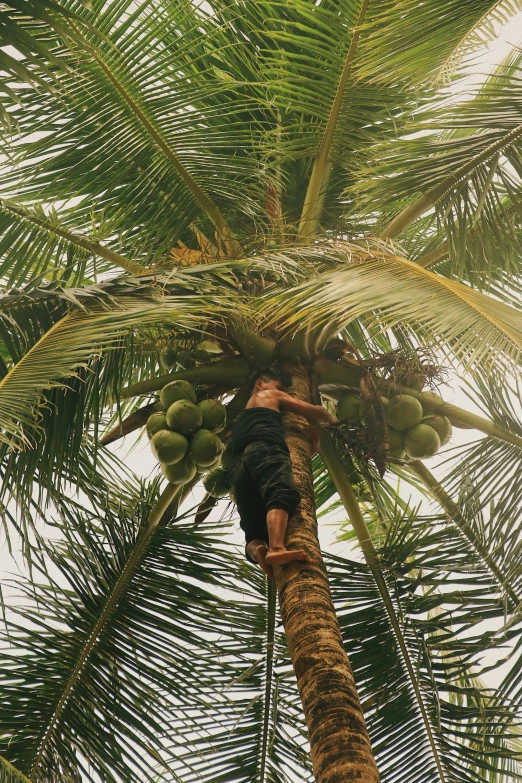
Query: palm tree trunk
pixel 340 745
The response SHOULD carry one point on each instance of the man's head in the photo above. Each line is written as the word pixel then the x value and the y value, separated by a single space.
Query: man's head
pixel 270 378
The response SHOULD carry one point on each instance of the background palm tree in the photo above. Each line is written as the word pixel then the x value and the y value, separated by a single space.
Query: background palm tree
pixel 246 170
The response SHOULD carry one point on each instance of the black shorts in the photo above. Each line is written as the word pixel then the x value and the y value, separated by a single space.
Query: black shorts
pixel 262 479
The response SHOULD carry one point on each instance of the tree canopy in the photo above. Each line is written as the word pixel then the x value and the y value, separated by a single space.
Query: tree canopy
pixel 273 176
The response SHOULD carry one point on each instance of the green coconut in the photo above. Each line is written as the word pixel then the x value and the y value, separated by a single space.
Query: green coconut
pixel 384 402
pixel 403 412
pixel 204 448
pixel 421 442
pixel 349 408
pixel 180 473
pixel 216 483
pixel 185 417
pixel 441 425
pixel 168 357
pixel 227 458
pixel 177 390
pixel 214 415
pixel 396 444
pixel 169 447
pixel 202 471
pixel 155 423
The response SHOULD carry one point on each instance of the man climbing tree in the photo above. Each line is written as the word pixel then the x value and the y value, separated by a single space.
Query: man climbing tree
pixel 261 474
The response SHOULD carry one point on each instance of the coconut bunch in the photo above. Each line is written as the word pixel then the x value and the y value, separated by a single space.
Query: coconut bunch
pixel 183 434
pixel 412 431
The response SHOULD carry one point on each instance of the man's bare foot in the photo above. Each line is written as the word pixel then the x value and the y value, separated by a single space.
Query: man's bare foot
pixel 281 556
pixel 260 556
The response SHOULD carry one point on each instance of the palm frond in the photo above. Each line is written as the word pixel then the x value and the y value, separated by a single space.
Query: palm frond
pixel 158 139
pixel 9 774
pixel 432 624
pixel 49 249
pixel 372 283
pixel 312 206
pixel 468 185
pixel 68 345
pixel 427 42
pixel 170 630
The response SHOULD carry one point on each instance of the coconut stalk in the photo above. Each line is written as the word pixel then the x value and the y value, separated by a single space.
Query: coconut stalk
pixel 131 423
pixel 439 494
pixel 257 350
pixel 227 373
pixel 344 488
pixel 339 742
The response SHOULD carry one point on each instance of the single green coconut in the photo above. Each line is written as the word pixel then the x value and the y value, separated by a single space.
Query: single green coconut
pixel 216 483
pixel 185 417
pixel 168 357
pixel 180 473
pixel 384 402
pixel 227 458
pixel 214 415
pixel 441 425
pixel 202 471
pixel 403 412
pixel 204 448
pixel 349 408
pixel 396 444
pixel 177 390
pixel 421 442
pixel 169 447
pixel 155 423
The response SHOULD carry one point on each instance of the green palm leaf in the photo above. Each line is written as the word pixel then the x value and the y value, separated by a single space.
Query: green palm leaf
pixel 477 330
pixel 37 246
pixel 428 42
pixel 68 344
pixel 9 774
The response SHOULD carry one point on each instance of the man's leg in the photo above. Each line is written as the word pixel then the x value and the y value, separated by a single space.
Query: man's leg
pixel 252 516
pixel 271 470
pixel 278 554
pixel 257 550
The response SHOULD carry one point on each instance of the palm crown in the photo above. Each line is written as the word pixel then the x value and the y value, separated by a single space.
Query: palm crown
pixel 273 174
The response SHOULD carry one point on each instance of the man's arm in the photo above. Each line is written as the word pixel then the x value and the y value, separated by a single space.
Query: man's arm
pixel 312 412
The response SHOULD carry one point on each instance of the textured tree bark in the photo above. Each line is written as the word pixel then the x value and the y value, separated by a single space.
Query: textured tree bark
pixel 340 745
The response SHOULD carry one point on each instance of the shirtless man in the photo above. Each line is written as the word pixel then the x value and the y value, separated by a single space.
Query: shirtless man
pixel 261 473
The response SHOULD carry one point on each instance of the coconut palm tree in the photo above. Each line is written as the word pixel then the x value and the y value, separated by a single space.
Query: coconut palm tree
pixel 298 182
